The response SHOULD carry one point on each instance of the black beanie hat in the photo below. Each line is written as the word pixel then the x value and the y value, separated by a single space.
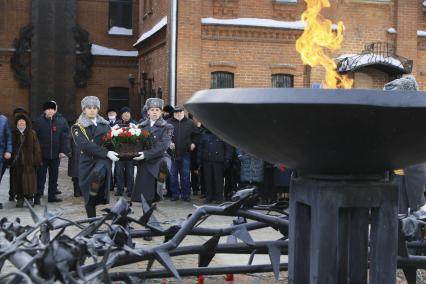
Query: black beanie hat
pixel 19 110
pixel 125 109
pixel 168 108
pixel 49 105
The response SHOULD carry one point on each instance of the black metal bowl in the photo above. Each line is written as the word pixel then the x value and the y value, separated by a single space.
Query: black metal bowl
pixel 319 131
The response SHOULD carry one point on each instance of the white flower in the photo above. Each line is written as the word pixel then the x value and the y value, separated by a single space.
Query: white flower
pixel 135 131
pixel 116 132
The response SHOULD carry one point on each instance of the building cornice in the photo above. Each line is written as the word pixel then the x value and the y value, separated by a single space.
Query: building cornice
pixel 235 33
pixel 108 61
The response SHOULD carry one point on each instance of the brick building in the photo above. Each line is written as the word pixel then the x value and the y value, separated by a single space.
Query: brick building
pixel 112 28
pixel 218 43
pixel 251 43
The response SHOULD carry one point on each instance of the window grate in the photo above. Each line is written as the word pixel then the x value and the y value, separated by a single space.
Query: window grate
pixel 222 80
pixel 282 81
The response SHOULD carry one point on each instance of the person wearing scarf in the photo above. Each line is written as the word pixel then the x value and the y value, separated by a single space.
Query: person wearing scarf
pixel 95 161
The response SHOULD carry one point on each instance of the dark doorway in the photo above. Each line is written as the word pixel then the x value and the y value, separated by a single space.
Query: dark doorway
pixel 118 97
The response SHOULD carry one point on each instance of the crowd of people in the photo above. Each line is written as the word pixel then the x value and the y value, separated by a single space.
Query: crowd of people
pixel 185 160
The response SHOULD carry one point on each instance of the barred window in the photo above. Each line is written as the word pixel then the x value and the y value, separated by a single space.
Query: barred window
pixel 222 80
pixel 118 97
pixel 120 13
pixel 282 81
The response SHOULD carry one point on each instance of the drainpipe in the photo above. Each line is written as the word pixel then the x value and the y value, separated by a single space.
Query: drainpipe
pixel 172 58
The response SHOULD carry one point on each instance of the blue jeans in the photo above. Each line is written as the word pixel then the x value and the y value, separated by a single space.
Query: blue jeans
pixel 181 166
pixel 125 172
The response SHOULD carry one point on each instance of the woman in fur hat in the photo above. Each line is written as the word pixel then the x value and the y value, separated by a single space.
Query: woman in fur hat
pixel 26 157
pixel 95 164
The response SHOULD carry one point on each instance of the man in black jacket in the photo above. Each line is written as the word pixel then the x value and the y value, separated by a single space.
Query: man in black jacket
pixel 185 136
pixel 214 156
pixel 52 132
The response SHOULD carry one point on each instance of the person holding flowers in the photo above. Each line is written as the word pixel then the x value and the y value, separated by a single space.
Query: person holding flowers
pixel 95 166
pixel 153 162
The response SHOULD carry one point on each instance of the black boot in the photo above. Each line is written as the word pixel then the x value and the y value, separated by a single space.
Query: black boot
pixel 37 200
pixel 20 203
pixel 90 211
pixel 77 192
pixel 163 172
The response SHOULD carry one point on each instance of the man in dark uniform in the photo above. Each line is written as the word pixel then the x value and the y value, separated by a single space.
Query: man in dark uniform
pixel 153 163
pixel 95 164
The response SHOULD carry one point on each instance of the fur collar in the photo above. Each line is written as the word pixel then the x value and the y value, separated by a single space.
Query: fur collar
pixel 86 122
pixel 159 123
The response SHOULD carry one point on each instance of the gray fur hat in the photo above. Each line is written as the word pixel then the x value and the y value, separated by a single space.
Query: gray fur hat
pixel 408 83
pixel 154 102
pixel 90 101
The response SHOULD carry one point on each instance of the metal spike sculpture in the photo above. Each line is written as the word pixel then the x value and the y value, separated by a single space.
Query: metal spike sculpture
pixel 43 252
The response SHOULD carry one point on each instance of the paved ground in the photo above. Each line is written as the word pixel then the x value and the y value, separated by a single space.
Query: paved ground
pixel 167 211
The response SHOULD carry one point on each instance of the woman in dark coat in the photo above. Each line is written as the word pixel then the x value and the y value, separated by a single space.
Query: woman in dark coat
pixel 95 165
pixel 26 157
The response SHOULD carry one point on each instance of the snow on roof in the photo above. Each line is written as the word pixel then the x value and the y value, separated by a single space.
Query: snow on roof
pixel 254 22
pixel 120 31
pixel 421 33
pixel 158 26
pixel 392 30
pixel 288 1
pixel 352 61
pixel 106 51
pixel 257 22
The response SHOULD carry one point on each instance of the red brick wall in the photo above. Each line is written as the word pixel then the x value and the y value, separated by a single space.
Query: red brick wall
pixel 153 52
pixel 14 14
pixel 251 60
pixel 92 15
pixel 189 49
pixel 12 94
pixel 406 22
pixel 110 72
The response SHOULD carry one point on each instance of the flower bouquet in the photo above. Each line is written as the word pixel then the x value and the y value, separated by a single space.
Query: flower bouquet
pixel 127 141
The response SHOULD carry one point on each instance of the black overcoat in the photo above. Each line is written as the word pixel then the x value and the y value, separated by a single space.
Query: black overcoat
pixel 148 168
pixel 92 155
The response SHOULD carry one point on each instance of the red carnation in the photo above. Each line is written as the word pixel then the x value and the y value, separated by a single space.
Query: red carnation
pixel 121 134
pixel 128 134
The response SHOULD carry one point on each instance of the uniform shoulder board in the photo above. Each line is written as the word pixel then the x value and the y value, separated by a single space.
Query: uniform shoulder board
pixel 75 130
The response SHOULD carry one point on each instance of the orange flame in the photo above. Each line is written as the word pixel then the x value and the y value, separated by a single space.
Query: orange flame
pixel 318 34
